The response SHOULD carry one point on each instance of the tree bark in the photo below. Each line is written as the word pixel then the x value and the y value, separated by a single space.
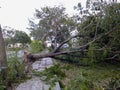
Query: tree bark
pixel 3 58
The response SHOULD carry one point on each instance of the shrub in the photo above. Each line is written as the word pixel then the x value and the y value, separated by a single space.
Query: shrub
pixel 36 46
pixel 80 82
pixel 52 74
pixel 15 73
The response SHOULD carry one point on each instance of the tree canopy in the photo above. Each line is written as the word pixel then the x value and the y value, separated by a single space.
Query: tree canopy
pixel 54 25
pixel 12 36
pixel 22 37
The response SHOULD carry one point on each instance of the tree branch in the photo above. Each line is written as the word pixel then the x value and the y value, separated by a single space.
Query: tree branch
pixel 34 57
pixel 78 35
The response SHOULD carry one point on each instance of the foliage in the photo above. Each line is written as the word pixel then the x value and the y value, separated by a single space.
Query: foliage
pixel 114 84
pixel 22 37
pixel 54 25
pixel 8 32
pixel 96 27
pixel 36 46
pixel 81 82
pixel 15 74
pixel 98 32
pixel 98 77
pixel 10 40
pixel 12 36
pixel 52 74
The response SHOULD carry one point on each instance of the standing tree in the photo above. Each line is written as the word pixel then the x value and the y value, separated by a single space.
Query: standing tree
pixel 3 59
pixel 13 36
pixel 21 37
pixel 54 25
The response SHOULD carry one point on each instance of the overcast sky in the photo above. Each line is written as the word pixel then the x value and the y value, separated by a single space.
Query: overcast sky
pixel 15 13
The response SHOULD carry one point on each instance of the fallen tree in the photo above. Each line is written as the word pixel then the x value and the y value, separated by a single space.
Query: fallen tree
pixel 98 38
pixel 33 57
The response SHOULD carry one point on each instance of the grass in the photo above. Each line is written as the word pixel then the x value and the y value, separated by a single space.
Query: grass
pixel 71 77
pixel 95 77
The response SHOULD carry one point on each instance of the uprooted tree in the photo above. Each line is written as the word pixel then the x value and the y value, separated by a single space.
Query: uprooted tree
pixel 96 40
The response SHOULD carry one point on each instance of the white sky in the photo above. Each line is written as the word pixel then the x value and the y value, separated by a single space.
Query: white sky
pixel 15 13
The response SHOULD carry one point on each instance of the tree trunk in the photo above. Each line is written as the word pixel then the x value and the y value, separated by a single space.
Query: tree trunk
pixel 3 59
